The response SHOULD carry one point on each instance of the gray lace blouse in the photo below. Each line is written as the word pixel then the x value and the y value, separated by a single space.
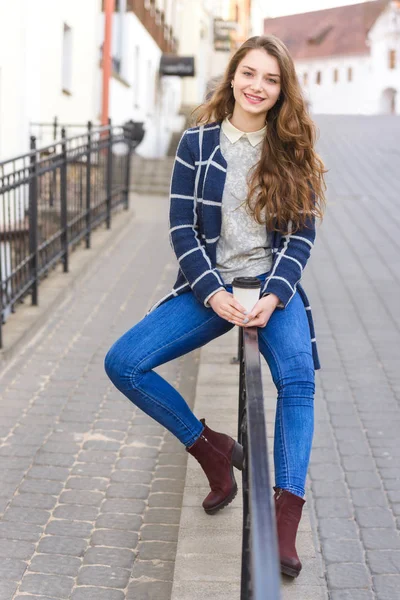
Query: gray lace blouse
pixel 244 246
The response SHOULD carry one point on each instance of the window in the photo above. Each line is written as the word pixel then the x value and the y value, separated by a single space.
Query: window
pixel 136 82
pixel 350 74
pixel 67 60
pixel 335 75
pixel 318 78
pixel 150 89
pixel 392 59
pixel 305 78
pixel 118 62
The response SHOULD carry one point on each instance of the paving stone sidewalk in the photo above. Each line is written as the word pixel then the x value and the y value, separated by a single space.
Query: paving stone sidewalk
pixel 91 489
pixel 354 284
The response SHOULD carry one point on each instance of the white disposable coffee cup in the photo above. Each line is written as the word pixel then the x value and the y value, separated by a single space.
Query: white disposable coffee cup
pixel 246 290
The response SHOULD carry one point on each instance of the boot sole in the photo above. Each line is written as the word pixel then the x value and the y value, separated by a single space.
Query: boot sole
pixel 221 505
pixel 290 572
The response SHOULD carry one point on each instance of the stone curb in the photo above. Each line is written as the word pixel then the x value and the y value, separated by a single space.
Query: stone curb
pixel 209 547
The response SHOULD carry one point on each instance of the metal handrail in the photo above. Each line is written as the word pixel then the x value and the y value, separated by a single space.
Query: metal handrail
pixel 260 578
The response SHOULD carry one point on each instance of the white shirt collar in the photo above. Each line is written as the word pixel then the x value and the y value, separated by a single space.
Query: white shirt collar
pixel 233 134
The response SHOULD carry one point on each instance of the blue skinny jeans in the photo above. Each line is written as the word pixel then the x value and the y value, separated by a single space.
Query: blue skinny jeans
pixel 183 324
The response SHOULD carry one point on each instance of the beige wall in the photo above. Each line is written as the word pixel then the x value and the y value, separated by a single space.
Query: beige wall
pixel 240 11
pixel 196 39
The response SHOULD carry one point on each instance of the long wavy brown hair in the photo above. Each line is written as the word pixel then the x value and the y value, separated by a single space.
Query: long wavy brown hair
pixel 288 181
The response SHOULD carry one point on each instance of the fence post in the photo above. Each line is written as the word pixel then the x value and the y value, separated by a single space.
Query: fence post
pixel 88 183
pixel 33 222
pixel 64 200
pixel 55 128
pixel 109 175
pixel 128 173
pixel 235 360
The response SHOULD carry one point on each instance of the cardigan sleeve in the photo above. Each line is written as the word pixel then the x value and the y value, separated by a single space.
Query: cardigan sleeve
pixel 192 257
pixel 290 263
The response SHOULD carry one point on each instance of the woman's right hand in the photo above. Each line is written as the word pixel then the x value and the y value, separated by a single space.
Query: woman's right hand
pixel 224 304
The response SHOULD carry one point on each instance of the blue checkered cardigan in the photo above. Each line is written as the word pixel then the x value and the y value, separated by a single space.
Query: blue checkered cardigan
pixel 197 185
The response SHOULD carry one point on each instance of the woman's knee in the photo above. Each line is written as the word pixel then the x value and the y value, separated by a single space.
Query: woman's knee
pixel 297 369
pixel 120 364
pixel 112 363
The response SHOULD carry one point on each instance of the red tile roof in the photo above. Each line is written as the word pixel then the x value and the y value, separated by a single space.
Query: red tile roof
pixel 335 31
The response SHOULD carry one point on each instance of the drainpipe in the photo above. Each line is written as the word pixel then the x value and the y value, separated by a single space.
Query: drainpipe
pixel 107 64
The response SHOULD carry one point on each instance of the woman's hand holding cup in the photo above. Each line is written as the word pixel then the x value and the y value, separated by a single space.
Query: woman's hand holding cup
pixel 262 311
pixel 227 307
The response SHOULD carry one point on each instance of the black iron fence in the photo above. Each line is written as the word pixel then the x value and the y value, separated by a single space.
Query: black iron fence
pixel 260 564
pixel 46 133
pixel 50 201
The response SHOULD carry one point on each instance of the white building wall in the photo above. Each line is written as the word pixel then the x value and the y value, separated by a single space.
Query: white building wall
pixel 373 82
pixel 257 13
pixel 31 59
pixel 81 16
pixel 13 136
pixel 342 97
pixel 383 37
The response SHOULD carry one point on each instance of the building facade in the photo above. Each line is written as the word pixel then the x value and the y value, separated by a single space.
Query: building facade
pixel 347 58
pixel 142 32
pixel 51 67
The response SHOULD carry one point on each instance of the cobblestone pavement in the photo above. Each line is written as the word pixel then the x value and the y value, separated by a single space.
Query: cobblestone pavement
pixel 90 488
pixel 354 284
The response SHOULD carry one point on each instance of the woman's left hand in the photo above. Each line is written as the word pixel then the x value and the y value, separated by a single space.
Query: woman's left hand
pixel 262 311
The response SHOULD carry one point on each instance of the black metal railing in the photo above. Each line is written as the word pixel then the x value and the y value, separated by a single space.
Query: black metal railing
pixel 260 579
pixel 46 133
pixel 51 199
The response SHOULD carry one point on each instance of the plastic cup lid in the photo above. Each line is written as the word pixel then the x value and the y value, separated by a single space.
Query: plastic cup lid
pixel 246 282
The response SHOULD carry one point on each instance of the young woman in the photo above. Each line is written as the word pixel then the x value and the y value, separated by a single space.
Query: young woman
pixel 246 189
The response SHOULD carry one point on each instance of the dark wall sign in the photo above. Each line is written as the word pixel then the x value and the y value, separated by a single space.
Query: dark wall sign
pixel 180 66
pixel 223 34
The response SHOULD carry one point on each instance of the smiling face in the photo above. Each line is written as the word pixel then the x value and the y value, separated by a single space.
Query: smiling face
pixel 256 88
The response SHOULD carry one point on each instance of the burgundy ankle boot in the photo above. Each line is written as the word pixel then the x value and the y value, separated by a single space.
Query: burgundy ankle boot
pixel 288 509
pixel 217 454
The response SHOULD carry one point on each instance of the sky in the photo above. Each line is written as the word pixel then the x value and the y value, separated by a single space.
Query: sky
pixel 272 8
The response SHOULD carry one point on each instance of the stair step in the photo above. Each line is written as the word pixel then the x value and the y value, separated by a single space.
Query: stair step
pixel 153 174
pixel 151 190
pixel 151 182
